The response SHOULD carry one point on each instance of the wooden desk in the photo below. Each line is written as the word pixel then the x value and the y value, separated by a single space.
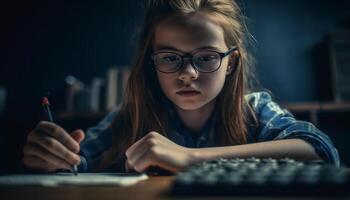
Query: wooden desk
pixel 145 190
pixel 151 189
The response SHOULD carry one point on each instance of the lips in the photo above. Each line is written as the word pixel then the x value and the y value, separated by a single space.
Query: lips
pixel 188 93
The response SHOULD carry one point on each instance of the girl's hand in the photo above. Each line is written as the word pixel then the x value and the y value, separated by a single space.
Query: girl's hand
pixel 49 147
pixel 157 150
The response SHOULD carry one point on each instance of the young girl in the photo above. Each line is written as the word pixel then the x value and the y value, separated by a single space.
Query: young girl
pixel 188 99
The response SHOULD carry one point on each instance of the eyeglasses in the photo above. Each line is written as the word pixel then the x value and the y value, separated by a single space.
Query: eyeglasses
pixel 205 61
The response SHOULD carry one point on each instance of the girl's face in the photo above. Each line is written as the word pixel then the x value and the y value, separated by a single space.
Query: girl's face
pixel 187 88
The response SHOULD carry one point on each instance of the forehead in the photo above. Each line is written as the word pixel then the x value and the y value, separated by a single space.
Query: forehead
pixel 188 33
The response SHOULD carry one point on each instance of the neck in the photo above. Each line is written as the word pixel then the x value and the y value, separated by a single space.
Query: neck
pixel 196 119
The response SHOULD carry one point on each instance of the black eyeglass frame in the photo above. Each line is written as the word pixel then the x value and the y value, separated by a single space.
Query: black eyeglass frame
pixel 190 56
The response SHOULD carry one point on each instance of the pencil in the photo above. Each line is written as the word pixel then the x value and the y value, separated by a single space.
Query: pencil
pixel 46 105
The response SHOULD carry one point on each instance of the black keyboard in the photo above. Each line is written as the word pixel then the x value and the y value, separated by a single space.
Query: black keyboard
pixel 257 177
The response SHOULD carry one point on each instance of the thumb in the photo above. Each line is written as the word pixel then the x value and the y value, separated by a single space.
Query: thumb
pixel 78 135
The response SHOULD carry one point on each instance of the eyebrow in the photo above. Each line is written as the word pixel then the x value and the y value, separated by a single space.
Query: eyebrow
pixel 166 47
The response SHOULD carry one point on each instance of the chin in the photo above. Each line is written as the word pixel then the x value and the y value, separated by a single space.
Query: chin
pixel 190 105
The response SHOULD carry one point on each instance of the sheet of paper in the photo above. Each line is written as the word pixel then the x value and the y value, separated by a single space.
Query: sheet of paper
pixel 69 179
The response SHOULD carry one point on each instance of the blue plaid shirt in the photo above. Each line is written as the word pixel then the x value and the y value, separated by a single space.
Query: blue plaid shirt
pixel 274 124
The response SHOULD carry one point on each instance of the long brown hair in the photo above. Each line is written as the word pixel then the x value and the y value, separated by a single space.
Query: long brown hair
pixel 145 107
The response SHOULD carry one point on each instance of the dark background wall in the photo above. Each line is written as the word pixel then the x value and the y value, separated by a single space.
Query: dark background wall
pixel 44 41
pixel 290 36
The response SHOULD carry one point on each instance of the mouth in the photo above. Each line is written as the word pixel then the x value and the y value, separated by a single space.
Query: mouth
pixel 188 93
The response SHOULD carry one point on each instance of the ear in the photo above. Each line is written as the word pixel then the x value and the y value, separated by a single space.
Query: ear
pixel 233 62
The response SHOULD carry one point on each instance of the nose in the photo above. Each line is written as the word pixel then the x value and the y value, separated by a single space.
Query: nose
pixel 188 72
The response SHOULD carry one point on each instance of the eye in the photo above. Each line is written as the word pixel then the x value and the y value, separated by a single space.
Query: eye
pixel 206 57
pixel 169 58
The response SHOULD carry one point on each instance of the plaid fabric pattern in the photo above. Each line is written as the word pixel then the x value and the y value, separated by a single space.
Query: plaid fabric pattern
pixel 274 123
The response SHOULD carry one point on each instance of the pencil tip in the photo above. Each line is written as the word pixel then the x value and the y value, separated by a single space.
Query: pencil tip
pixel 75 170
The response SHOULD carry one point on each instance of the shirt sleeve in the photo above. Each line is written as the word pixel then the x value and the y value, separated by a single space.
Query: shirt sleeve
pixel 276 123
pixel 97 140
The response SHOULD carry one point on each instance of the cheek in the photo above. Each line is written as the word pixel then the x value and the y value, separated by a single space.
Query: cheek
pixel 165 82
pixel 215 87
pixel 214 82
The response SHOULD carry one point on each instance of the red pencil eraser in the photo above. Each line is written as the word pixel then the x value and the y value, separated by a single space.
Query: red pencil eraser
pixel 45 101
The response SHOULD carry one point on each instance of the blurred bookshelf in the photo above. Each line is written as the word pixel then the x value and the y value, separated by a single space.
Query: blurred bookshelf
pixel 81 115
pixel 87 103
pixel 81 120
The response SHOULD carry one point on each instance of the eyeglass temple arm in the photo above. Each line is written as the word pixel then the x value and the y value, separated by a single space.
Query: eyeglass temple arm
pixel 230 50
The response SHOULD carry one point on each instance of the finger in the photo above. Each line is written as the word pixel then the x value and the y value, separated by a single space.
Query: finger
pixel 132 148
pixel 137 152
pixel 78 135
pixel 136 145
pixel 39 164
pixel 149 141
pixel 59 133
pixel 144 161
pixel 153 157
pixel 43 154
pixel 55 147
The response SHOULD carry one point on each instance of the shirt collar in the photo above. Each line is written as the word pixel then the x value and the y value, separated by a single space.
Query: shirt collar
pixel 181 135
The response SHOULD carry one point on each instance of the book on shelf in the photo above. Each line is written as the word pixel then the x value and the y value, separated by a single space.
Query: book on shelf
pixel 97 97
pixel 116 81
pixel 112 84
pixel 73 88
pixel 102 94
pixel 340 62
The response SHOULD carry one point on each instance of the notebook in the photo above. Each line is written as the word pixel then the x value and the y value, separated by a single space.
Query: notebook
pixel 83 179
